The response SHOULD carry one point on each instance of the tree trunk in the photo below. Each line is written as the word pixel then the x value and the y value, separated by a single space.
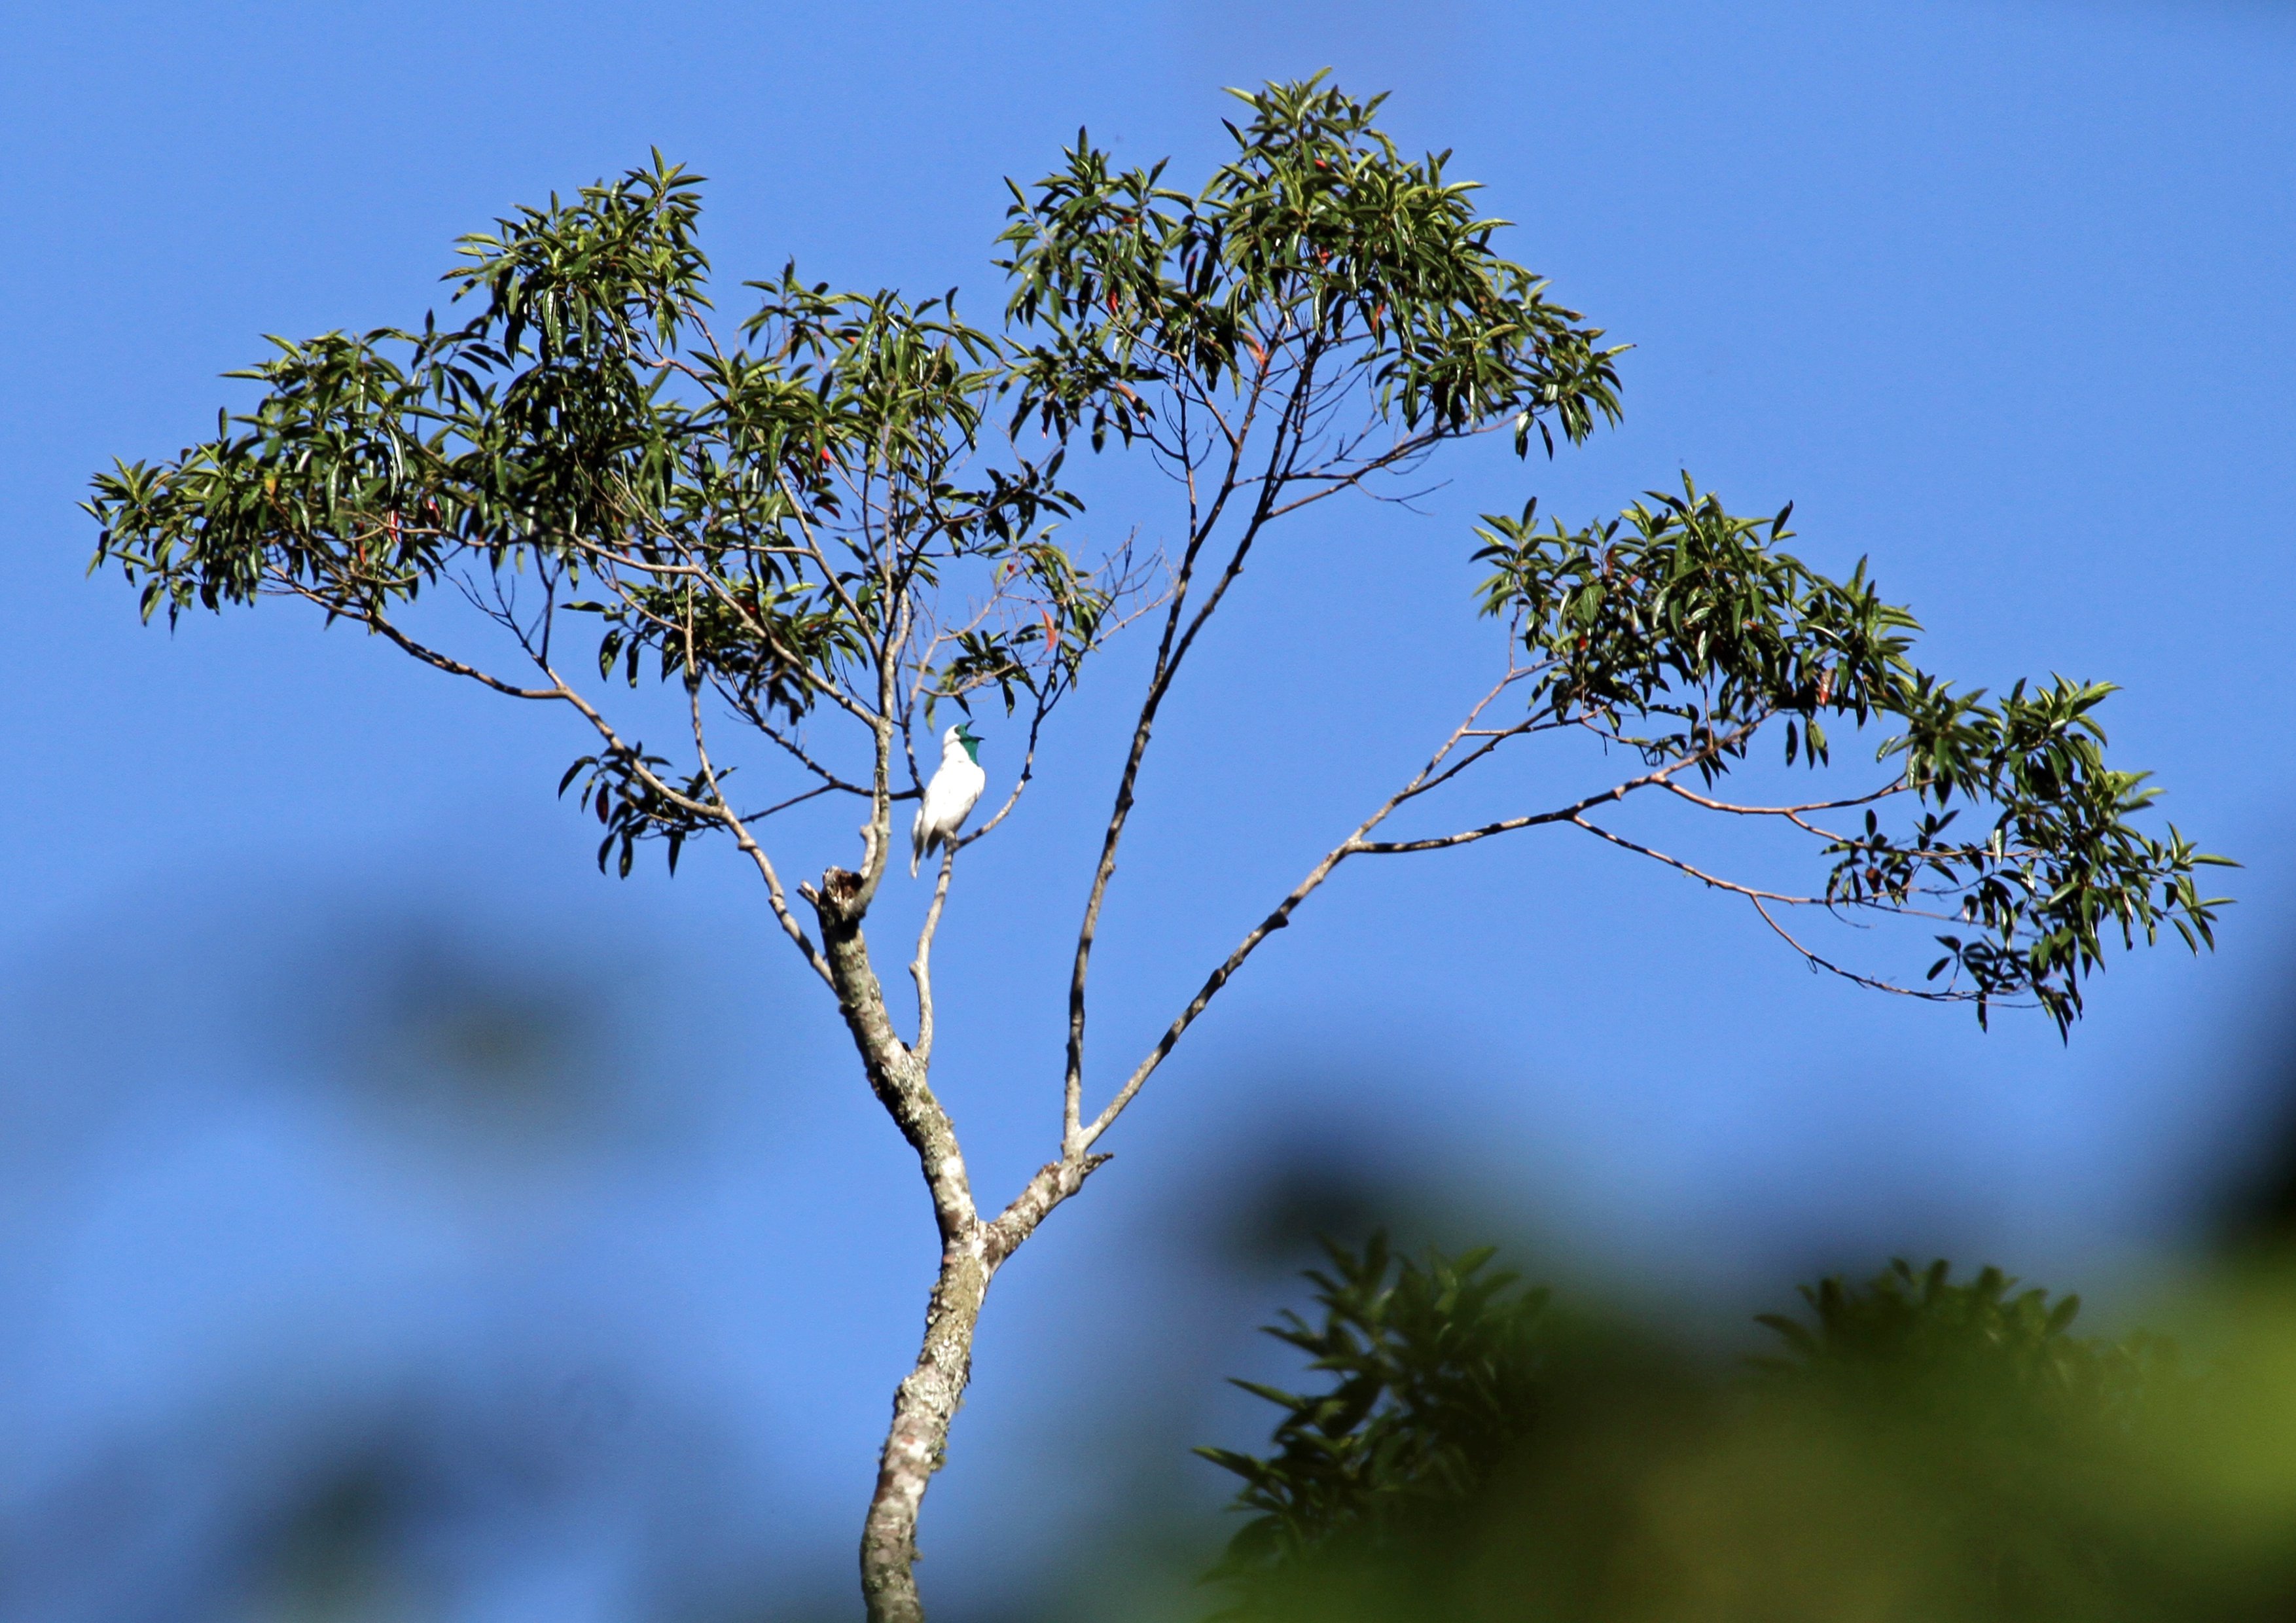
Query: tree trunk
pixel 925 1403
pixel 928 1397
pixel 971 1253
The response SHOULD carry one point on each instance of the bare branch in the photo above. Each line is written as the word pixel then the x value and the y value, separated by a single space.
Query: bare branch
pixel 430 656
pixel 1277 919
pixel 921 966
pixel 1698 873
pixel 1948 994
pixel 1081 1139
pixel 1796 814
pixel 1428 777
pixel 750 847
pixel 755 717
pixel 1171 651
pixel 783 806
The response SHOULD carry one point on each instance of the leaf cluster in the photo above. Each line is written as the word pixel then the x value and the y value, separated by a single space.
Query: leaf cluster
pixel 776 522
pixel 1682 614
pixel 1319 254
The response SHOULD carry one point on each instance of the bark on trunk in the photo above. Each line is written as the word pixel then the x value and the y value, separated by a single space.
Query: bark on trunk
pixel 970 1251
pixel 928 1397
pixel 926 1402
pixel 896 1076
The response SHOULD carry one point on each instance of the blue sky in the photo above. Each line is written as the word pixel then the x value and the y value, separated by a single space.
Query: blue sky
pixel 1997 294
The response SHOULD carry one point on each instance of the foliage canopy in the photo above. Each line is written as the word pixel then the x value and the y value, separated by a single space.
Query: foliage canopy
pixel 820 519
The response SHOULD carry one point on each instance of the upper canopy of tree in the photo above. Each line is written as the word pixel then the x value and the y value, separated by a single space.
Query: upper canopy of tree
pixel 854 510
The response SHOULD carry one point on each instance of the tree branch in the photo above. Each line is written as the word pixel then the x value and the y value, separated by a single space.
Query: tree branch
pixel 756 852
pixel 1816 962
pixel 1428 777
pixel 1170 655
pixel 921 966
pixel 1698 873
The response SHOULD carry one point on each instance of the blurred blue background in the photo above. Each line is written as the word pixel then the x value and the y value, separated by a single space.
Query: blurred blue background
pixel 397 1219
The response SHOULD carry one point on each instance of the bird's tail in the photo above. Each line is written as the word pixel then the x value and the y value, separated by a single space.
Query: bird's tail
pixel 916 844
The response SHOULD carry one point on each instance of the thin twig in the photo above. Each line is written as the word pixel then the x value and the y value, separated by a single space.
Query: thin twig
pixel 1949 995
pixel 1703 877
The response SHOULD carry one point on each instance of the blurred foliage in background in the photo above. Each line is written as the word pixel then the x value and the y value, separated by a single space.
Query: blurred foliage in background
pixel 1915 1448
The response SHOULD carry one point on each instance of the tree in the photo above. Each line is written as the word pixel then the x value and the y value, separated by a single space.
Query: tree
pixel 1925 1448
pixel 812 541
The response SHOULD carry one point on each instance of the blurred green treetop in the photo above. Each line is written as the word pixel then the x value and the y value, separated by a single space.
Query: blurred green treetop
pixel 1924 1450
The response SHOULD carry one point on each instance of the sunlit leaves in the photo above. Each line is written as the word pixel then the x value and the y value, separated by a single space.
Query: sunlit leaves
pixel 822 521
pixel 371 466
pixel 1319 254
pixel 776 524
pixel 598 277
pixel 1682 614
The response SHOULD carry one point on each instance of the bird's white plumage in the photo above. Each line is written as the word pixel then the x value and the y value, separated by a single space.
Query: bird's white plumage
pixel 949 798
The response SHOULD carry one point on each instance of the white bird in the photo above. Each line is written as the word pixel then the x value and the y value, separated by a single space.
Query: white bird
pixel 950 797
